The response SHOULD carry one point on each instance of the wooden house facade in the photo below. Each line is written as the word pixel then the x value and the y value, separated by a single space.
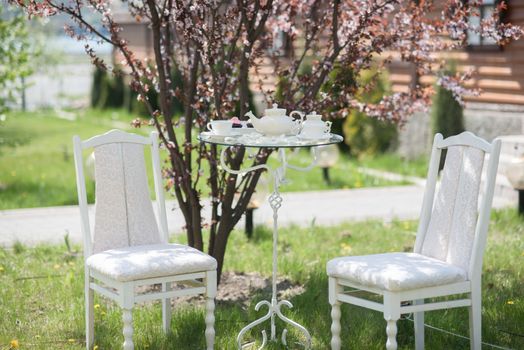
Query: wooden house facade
pixel 498 71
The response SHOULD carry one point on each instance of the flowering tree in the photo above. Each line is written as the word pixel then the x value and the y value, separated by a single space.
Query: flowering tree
pixel 218 47
pixel 15 56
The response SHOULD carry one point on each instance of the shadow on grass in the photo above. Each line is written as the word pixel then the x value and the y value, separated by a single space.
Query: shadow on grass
pixel 261 233
pixel 361 328
pixel 12 137
pixel 366 329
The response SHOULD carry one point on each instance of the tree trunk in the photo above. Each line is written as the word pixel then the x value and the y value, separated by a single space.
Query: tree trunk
pixel 219 251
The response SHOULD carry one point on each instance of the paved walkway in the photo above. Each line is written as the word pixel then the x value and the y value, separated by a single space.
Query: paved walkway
pixel 51 224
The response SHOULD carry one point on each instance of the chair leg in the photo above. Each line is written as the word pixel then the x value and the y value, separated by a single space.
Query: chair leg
pixel 211 286
pixel 89 312
pixel 335 326
pixel 127 317
pixel 475 319
pixel 166 309
pixel 334 289
pixel 210 323
pixel 391 331
pixel 419 326
pixel 391 315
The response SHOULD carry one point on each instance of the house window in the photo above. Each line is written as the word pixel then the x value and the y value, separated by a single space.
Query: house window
pixel 282 44
pixel 474 40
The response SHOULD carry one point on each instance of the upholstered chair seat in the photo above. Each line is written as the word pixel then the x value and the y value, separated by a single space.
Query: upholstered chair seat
pixel 395 271
pixel 150 261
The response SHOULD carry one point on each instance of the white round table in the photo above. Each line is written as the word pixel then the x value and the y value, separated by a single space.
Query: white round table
pixel 280 143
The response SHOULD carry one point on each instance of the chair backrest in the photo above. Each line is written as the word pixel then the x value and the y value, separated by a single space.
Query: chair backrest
pixel 123 211
pixel 453 227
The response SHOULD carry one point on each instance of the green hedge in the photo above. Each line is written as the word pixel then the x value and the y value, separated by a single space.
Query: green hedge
pixel 113 92
pixel 447 115
pixel 363 135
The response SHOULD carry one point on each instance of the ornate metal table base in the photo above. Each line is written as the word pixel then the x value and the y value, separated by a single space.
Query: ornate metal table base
pixel 274 306
pixel 274 309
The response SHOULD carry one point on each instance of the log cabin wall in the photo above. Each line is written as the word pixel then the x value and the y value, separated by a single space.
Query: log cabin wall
pixel 499 73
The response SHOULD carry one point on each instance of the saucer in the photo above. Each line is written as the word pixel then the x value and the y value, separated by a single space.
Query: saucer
pixel 215 134
pixel 308 137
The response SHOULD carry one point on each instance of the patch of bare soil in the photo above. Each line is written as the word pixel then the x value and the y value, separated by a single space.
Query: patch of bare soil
pixel 241 288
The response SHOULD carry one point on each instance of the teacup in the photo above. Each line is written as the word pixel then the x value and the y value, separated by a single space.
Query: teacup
pixel 315 130
pixel 220 127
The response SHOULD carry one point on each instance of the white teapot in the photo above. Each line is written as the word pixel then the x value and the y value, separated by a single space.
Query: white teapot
pixel 275 122
pixel 314 127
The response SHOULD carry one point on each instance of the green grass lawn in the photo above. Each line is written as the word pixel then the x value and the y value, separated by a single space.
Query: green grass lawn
pixel 41 294
pixel 37 166
pixel 393 163
pixel 36 155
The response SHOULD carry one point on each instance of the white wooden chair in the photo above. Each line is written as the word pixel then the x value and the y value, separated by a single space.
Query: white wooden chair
pixel 449 247
pixel 129 249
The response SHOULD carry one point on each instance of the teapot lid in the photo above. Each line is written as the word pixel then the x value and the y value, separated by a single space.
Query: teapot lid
pixel 275 111
pixel 314 114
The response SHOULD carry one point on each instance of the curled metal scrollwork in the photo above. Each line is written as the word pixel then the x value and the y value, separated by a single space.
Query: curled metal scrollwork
pixel 256 323
pixel 302 329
